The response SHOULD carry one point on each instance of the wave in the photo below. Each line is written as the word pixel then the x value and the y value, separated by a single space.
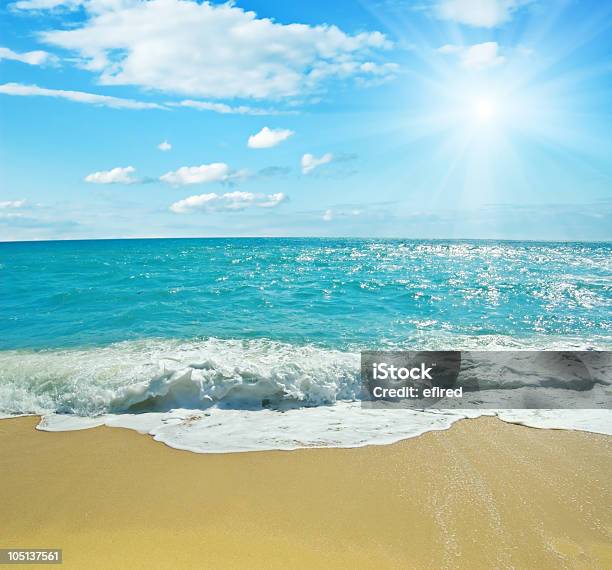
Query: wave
pixel 219 395
pixel 160 375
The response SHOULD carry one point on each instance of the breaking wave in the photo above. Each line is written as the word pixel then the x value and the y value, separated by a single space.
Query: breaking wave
pixel 161 375
pixel 239 395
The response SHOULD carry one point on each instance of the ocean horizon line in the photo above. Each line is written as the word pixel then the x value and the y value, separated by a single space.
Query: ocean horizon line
pixel 307 237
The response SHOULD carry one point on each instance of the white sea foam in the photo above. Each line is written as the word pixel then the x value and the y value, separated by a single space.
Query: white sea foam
pixel 159 375
pixel 237 395
pixel 344 424
pixel 216 430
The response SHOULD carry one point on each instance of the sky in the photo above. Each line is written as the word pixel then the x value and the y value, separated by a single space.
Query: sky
pixel 377 118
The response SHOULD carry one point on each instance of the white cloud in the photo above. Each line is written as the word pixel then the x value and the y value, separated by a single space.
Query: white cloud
pixel 310 162
pixel 478 13
pixel 267 138
pixel 476 57
pixel 37 57
pixel 78 96
pixel 20 89
pixel 164 146
pixel 225 109
pixel 272 200
pixel 214 50
pixel 114 176
pixel 338 214
pixel 6 217
pixel 205 173
pixel 13 204
pixel 228 202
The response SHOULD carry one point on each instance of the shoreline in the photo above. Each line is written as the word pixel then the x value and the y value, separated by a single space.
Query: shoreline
pixel 483 493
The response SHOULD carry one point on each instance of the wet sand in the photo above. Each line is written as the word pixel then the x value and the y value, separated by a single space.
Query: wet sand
pixel 482 494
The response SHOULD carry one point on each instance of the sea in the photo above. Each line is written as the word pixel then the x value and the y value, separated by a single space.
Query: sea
pixel 246 344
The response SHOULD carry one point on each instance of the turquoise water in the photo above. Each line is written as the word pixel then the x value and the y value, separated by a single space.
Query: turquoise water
pixel 241 344
pixel 336 293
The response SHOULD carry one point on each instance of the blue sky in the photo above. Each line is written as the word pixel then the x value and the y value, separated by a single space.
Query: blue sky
pixel 431 119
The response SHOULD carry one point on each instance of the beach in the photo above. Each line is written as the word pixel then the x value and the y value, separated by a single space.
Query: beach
pixel 483 493
pixel 306 285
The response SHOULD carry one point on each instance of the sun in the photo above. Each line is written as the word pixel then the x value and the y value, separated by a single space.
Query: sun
pixel 484 109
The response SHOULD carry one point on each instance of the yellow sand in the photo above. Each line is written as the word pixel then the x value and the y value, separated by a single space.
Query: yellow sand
pixel 483 494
